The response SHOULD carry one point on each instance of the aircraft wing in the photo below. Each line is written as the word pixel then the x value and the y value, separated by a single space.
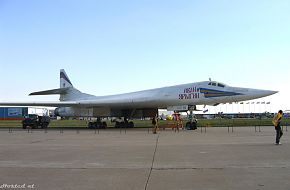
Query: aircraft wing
pixel 47 104
pixel 85 103
pixel 80 103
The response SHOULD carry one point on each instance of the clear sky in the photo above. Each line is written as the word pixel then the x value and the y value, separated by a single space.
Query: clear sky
pixel 113 46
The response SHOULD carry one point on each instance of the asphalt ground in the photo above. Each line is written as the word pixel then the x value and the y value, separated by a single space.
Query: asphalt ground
pixel 215 158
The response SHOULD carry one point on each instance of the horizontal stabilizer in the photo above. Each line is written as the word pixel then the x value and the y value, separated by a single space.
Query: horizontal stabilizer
pixel 49 92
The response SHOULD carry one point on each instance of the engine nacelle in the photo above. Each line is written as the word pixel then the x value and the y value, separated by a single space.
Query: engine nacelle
pixel 105 112
pixel 64 112
pixel 73 112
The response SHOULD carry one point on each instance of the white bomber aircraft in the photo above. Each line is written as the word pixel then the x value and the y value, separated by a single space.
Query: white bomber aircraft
pixel 142 103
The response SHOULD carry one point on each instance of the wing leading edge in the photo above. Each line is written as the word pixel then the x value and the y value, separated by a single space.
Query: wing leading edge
pixel 47 104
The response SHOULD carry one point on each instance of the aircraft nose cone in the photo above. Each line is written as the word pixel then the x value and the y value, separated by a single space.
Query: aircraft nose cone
pixel 274 92
pixel 268 92
pixel 250 93
pixel 256 93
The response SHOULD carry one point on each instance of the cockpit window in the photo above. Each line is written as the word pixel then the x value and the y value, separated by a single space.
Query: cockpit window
pixel 216 84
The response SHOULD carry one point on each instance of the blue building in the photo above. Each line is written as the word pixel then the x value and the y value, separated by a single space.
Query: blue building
pixel 13 113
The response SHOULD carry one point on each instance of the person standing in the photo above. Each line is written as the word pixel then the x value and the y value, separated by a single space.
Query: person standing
pixel 177 121
pixel 155 125
pixel 277 123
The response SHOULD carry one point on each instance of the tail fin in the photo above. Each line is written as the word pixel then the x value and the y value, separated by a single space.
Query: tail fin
pixel 66 91
pixel 64 80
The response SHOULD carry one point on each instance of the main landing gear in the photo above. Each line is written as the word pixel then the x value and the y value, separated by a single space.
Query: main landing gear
pixel 97 124
pixel 123 123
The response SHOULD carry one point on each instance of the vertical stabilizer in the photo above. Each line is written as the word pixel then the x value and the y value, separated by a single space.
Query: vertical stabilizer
pixel 64 80
pixel 66 91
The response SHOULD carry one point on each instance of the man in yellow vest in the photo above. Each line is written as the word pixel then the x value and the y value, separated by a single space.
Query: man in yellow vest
pixel 277 123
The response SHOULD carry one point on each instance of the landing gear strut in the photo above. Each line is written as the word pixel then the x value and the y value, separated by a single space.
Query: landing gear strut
pixel 97 124
pixel 124 123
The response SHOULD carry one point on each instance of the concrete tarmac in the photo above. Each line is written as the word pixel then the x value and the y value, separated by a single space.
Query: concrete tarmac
pixel 137 159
